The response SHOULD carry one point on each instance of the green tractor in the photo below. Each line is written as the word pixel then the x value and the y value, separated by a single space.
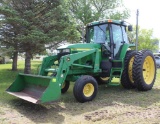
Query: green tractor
pixel 105 54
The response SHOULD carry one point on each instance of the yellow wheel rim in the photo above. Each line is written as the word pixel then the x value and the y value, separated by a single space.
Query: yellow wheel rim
pixel 104 78
pixel 63 85
pixel 88 89
pixel 130 66
pixel 148 70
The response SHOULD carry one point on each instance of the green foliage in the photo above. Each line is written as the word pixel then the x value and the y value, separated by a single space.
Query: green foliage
pixel 145 39
pixel 27 26
pixel 38 23
pixel 85 11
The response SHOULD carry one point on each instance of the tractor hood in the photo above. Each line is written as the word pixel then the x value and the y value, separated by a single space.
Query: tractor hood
pixel 80 46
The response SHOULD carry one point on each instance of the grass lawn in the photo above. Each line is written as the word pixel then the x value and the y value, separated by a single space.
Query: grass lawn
pixel 112 104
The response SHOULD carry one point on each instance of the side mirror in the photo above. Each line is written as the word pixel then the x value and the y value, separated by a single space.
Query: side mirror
pixel 130 28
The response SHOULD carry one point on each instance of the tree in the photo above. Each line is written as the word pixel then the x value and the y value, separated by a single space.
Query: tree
pixel 145 39
pixel 8 32
pixel 85 11
pixel 34 23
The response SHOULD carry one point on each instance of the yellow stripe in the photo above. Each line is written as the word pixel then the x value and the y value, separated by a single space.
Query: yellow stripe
pixel 80 49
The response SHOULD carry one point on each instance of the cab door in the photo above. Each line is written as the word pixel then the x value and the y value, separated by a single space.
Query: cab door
pixel 118 39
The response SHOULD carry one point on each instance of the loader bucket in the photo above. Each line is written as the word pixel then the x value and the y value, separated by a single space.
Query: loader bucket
pixel 35 89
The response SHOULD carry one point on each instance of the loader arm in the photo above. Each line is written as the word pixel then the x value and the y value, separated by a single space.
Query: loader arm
pixel 67 61
pixel 47 63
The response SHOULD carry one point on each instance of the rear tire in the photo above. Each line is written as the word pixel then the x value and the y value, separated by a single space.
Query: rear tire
pixel 101 80
pixel 85 89
pixel 127 79
pixel 144 70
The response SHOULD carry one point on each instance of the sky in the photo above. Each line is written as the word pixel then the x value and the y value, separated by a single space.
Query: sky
pixel 149 14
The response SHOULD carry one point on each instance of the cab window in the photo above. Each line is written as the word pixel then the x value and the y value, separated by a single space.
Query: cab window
pixel 99 33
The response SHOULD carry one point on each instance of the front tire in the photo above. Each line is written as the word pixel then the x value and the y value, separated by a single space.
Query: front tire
pixel 144 70
pixel 85 89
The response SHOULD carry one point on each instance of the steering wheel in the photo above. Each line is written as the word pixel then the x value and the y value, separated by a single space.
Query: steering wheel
pixel 106 49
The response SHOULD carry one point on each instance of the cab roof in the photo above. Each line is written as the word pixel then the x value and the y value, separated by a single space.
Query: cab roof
pixel 119 22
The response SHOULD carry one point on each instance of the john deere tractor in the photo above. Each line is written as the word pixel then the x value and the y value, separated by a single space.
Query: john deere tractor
pixel 106 54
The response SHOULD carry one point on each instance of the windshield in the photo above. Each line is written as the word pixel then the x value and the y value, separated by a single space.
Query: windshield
pixel 99 34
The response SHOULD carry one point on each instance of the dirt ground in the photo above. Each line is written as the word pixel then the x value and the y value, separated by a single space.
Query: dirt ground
pixel 115 113
pixel 114 105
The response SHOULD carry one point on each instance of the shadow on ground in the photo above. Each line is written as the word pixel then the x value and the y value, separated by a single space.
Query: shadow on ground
pixel 38 113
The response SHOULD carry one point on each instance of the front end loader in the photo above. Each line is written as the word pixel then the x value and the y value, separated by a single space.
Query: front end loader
pixel 48 85
pixel 106 54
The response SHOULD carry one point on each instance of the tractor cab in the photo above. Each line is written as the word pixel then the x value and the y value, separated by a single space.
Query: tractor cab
pixel 110 34
pixel 114 42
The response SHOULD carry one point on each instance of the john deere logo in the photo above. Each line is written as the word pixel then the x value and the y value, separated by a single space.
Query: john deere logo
pixel 54 80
